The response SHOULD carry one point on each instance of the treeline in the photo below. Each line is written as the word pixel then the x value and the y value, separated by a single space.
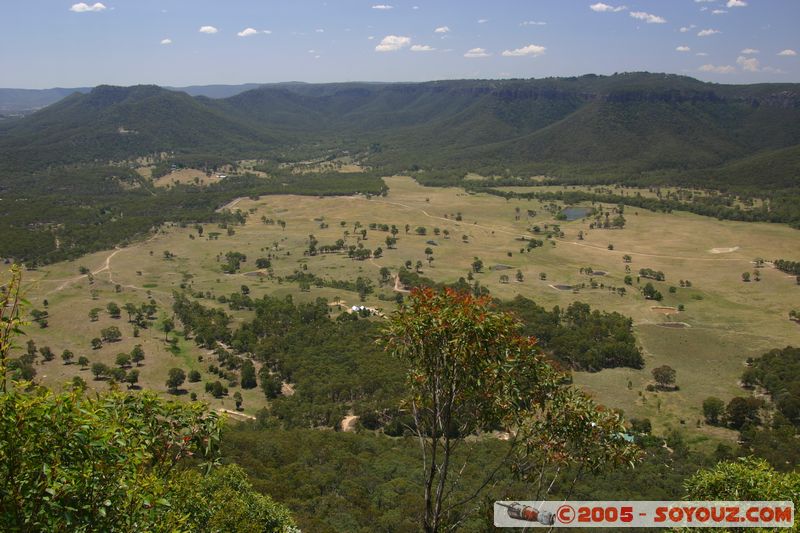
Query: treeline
pixel 771 429
pixel 578 337
pixel 64 213
pixel 362 285
pixel 768 429
pixel 790 267
pixel 779 209
pixel 778 372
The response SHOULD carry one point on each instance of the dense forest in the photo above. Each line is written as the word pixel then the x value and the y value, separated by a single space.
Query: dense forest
pixel 623 125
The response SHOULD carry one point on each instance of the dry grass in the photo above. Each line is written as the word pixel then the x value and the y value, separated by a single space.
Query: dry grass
pixel 729 320
pixel 186 176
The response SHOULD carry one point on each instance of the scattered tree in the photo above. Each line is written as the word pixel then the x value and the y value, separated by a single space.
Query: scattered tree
pixel 175 379
pixel 123 360
pixel 713 408
pixel 132 378
pixel 664 376
pixel 248 375
pixel 113 310
pixel 137 355
pixel 67 356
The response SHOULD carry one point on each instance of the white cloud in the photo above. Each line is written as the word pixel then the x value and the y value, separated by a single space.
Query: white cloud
pixel 477 52
pixel 647 17
pixel 392 43
pixel 268 32
pixel 422 48
pixel 532 50
pixel 719 11
pixel 483 21
pixel 685 29
pixel 247 32
pixel 773 70
pixel 749 51
pixel 166 41
pixel 721 69
pixel 382 6
pixel 533 23
pixel 701 54
pixel 683 49
pixel 787 52
pixel 83 7
pixel 442 29
pixel 706 33
pixel 319 30
pixel 600 7
pixel 736 3
pixel 749 64
pixel 208 29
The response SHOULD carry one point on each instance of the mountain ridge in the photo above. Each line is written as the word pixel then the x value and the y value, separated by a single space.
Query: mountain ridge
pixel 623 125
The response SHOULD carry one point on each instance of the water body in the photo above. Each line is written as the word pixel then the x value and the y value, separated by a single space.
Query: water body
pixel 575 213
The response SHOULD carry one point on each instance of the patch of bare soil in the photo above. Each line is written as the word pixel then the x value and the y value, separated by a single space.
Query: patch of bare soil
pixel 723 250
pixel 349 423
pixel 665 310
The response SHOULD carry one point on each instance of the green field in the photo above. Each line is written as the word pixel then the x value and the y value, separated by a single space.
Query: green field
pixel 727 320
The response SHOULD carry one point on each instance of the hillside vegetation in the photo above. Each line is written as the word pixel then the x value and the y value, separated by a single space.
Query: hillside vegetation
pixel 604 126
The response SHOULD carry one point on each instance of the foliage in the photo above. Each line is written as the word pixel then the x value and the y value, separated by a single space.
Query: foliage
pixel 747 479
pixel 790 267
pixel 713 408
pixel 73 463
pixel 578 337
pixel 664 376
pixel 469 370
pixel 10 320
pixel 778 371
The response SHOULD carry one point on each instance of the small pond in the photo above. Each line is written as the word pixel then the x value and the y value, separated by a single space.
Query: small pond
pixel 575 213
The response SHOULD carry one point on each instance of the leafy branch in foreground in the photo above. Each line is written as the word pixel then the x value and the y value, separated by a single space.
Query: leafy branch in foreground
pixel 469 371
pixel 10 321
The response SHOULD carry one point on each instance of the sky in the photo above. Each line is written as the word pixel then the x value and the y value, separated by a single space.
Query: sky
pixel 52 43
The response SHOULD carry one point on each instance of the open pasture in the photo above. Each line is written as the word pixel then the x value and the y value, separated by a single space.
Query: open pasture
pixel 728 320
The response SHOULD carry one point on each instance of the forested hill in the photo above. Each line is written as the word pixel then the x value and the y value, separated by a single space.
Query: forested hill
pixel 624 126
pixel 115 123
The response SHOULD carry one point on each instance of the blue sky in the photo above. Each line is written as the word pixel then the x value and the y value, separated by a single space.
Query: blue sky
pixel 47 43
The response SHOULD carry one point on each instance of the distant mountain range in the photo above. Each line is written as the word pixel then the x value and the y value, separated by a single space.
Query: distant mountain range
pixel 26 101
pixel 619 126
